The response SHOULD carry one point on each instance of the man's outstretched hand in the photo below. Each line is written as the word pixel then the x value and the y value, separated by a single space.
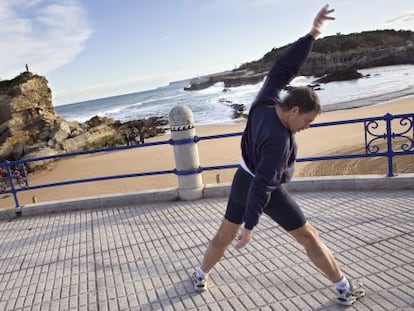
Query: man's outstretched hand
pixel 244 238
pixel 321 17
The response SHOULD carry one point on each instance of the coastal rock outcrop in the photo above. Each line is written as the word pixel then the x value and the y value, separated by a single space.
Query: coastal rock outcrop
pixel 319 64
pixel 30 126
pixel 340 75
pixel 330 56
pixel 26 114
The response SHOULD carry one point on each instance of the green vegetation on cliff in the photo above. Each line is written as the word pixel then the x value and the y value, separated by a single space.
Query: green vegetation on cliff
pixel 348 47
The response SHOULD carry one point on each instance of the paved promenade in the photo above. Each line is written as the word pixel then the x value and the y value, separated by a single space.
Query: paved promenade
pixel 141 257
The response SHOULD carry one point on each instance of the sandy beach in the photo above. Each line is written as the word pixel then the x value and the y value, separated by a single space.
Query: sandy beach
pixel 315 141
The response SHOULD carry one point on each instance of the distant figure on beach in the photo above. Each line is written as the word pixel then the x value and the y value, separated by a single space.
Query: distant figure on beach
pixel 141 137
pixel 126 137
pixel 18 176
pixel 268 155
pixel 131 139
pixel 3 179
pixel 27 68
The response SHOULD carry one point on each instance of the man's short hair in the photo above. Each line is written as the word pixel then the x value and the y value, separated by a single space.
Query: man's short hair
pixel 304 97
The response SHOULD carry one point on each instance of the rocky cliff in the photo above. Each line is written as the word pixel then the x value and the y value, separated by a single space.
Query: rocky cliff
pixel 334 56
pixel 319 64
pixel 30 126
pixel 26 114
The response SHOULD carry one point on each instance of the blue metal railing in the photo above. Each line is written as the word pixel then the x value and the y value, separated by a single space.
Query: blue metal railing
pixel 372 149
pixel 12 182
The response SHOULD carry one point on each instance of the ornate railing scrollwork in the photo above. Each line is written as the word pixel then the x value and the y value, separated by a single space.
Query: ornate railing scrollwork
pixel 371 146
pixel 406 137
pixel 401 141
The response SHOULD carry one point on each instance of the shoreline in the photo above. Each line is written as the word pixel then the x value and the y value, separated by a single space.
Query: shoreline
pixel 341 95
pixel 352 104
pixel 314 141
pixel 370 101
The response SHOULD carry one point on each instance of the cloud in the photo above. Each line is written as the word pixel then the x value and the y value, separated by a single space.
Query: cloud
pixel 404 18
pixel 45 34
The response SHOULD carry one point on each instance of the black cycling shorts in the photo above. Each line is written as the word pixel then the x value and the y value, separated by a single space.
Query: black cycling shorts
pixel 282 208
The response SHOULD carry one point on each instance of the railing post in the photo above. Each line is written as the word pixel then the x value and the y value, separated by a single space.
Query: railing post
pixel 390 153
pixel 185 153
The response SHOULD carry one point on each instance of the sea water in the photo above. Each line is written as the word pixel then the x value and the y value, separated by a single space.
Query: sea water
pixel 213 105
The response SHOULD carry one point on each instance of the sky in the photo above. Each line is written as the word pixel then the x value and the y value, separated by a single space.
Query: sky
pixel 90 49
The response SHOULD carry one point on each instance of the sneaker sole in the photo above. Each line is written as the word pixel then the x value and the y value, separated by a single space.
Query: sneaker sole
pixel 198 287
pixel 356 295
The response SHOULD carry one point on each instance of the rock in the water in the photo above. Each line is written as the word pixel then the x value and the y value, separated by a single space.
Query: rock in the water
pixel 340 75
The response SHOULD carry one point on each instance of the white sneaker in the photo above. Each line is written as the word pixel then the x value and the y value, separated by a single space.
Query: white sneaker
pixel 347 298
pixel 200 284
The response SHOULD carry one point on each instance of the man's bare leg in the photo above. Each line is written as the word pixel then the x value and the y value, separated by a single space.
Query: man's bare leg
pixel 322 258
pixel 219 244
pixel 317 251
pixel 215 250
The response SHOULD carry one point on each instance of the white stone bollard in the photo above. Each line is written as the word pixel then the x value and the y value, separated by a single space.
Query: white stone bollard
pixel 190 187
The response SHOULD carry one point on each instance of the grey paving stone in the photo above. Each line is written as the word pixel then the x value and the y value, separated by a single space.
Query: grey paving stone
pixel 140 257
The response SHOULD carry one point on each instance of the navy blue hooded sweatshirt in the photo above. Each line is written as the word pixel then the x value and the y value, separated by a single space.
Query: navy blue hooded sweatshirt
pixel 268 147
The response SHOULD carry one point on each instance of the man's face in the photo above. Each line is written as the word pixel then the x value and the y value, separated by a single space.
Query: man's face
pixel 297 121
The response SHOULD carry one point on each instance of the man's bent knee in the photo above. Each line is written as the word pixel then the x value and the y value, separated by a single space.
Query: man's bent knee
pixel 306 235
pixel 226 233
